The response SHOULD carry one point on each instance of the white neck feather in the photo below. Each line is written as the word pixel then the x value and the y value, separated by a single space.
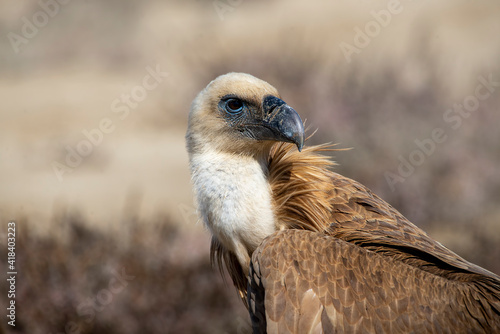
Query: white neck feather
pixel 234 199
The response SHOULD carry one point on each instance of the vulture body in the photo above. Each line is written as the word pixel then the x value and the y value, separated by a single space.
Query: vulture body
pixel 309 250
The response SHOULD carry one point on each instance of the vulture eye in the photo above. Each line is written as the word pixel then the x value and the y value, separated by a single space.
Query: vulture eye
pixel 234 105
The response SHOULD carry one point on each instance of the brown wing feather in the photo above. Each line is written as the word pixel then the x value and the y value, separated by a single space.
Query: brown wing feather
pixel 363 218
pixel 315 283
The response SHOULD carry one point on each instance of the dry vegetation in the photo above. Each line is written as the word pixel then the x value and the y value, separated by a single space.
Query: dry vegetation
pixel 146 278
pixel 128 204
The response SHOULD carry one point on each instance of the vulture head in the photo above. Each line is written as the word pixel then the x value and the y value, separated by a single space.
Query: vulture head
pixel 238 113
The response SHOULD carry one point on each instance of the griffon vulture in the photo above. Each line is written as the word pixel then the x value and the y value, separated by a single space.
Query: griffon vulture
pixel 309 250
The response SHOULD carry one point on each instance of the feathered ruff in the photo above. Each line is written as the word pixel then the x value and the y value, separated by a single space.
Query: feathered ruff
pixel 300 184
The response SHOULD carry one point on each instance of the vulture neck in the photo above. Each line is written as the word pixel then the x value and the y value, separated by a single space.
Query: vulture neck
pixel 234 199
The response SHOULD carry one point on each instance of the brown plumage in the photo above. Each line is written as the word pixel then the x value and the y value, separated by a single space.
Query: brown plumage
pixel 360 266
pixel 340 259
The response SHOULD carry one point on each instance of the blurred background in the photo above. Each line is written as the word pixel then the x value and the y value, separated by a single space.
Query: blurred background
pixel 93 169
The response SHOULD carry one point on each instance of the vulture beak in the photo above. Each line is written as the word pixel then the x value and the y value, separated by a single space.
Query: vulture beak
pixel 279 122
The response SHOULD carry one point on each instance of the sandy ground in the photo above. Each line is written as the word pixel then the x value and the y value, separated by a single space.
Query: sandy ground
pixel 131 166
pixel 65 80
